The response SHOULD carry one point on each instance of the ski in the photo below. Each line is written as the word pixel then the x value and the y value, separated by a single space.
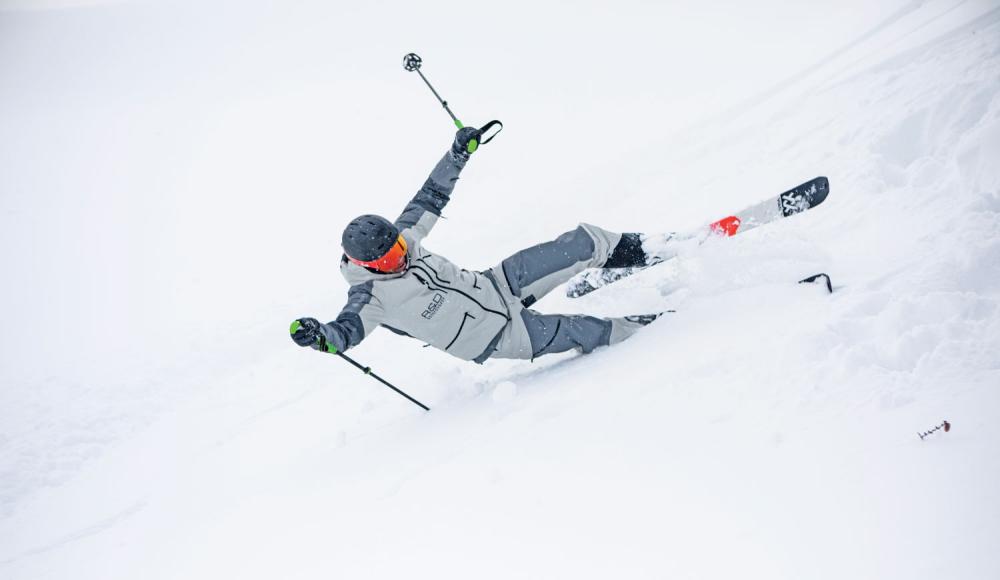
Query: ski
pixel 794 201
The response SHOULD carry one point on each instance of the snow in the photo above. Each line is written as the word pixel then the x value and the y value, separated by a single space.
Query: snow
pixel 175 176
pixel 504 392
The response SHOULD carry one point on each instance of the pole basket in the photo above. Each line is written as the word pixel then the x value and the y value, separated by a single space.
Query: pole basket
pixel 412 62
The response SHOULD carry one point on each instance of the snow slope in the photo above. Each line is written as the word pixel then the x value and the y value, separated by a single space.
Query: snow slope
pixel 166 158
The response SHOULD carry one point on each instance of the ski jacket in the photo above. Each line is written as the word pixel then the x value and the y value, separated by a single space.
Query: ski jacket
pixel 447 307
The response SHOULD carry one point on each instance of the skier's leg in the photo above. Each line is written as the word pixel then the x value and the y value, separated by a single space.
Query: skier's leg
pixel 552 333
pixel 536 271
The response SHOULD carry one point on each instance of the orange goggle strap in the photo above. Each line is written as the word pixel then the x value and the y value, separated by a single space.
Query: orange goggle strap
pixel 390 262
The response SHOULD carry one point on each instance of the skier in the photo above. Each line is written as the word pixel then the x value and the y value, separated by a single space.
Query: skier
pixel 475 316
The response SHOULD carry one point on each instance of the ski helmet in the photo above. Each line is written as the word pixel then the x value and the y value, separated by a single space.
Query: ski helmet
pixel 368 241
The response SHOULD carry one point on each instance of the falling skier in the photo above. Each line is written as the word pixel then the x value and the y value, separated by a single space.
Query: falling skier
pixel 398 284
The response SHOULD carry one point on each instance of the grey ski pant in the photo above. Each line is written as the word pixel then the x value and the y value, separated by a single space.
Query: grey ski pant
pixel 530 274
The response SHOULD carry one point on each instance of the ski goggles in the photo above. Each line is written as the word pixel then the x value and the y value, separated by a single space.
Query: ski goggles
pixel 391 262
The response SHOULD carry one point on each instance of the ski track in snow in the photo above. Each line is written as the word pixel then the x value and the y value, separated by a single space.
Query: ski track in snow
pixel 79 534
pixel 767 429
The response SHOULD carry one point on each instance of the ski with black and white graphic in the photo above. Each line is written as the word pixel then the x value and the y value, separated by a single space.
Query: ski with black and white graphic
pixel 795 200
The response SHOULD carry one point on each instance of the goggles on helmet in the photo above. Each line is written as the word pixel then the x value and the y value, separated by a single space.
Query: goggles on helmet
pixel 391 262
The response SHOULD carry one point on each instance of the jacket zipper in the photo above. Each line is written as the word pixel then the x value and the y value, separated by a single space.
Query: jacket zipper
pixel 460 327
pixel 478 303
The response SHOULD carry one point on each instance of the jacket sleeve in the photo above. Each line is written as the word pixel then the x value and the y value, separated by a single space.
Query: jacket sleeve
pixel 422 212
pixel 361 315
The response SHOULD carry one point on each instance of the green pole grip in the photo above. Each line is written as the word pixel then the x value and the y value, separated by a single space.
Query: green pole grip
pixel 473 144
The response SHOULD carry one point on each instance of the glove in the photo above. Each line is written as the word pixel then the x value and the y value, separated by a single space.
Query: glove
pixel 466 141
pixel 308 332
pixel 305 331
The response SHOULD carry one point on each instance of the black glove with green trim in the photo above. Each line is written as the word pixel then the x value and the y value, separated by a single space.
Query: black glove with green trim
pixel 466 141
pixel 308 332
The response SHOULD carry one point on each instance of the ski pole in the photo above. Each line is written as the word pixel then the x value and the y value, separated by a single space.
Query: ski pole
pixel 368 371
pixel 412 62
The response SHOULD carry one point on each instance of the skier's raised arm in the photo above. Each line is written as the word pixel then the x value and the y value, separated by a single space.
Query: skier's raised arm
pixel 362 314
pixel 422 212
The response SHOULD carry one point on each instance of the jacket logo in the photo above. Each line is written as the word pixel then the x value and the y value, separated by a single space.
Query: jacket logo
pixel 433 307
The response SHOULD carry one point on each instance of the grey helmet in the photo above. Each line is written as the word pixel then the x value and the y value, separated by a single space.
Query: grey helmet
pixel 369 237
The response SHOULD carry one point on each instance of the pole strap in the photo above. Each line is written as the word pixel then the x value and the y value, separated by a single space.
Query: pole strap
pixel 487 127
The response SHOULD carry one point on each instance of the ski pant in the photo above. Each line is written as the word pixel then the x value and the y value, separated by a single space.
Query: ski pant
pixel 530 274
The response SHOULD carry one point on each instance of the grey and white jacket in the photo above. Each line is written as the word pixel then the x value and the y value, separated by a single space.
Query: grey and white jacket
pixel 433 300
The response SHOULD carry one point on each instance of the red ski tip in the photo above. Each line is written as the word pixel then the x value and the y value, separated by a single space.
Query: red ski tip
pixel 726 226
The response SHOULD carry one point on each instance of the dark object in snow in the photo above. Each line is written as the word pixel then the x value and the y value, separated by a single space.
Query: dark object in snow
pixel 812 280
pixel 944 425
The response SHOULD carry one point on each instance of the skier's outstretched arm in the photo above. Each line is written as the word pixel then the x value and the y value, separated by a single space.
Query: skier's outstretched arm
pixel 422 212
pixel 362 314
